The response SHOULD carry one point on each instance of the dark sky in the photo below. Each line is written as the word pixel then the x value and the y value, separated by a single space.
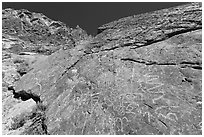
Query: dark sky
pixel 89 15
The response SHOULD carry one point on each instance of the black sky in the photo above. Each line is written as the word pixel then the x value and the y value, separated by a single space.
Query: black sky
pixel 88 15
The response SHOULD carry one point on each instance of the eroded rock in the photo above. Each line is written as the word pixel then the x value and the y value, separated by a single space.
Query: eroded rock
pixel 37 33
pixel 139 75
pixel 14 120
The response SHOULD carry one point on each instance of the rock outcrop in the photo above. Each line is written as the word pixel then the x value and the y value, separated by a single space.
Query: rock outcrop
pixel 29 37
pixel 139 75
pixel 37 32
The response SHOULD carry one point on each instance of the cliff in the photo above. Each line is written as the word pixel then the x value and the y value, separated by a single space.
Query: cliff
pixel 139 75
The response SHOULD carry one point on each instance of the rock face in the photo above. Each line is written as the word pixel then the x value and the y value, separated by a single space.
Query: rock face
pixel 14 117
pixel 29 37
pixel 139 75
pixel 37 33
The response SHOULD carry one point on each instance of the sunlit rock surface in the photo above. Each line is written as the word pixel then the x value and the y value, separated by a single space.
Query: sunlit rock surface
pixel 139 75
pixel 38 33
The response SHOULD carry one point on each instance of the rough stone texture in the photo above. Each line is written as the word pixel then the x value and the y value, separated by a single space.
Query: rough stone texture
pixel 139 75
pixel 27 38
pixel 13 67
pixel 11 120
pixel 38 33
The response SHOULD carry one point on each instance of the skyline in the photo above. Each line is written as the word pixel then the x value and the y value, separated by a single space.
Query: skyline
pixel 89 15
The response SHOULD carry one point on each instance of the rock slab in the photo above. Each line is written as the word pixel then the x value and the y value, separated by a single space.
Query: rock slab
pixel 140 75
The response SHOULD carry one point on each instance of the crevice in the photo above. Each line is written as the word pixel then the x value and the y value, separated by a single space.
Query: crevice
pixel 24 95
pixel 68 68
pixel 188 79
pixel 21 73
pixel 163 123
pixel 148 105
pixel 169 35
pixel 147 62
pixel 139 61
pixel 197 67
pixel 135 45
pixel 193 65
pixel 38 117
pixel 100 30
pixel 182 31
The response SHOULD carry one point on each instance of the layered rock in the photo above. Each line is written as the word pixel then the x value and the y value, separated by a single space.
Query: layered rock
pixel 29 37
pixel 38 33
pixel 139 75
